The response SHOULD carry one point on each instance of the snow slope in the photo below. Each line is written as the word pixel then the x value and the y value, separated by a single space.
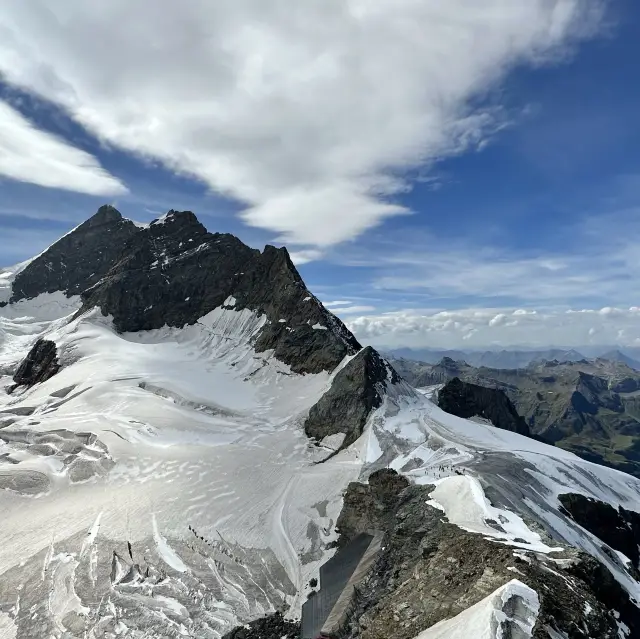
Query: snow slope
pixel 7 275
pixel 463 501
pixel 21 323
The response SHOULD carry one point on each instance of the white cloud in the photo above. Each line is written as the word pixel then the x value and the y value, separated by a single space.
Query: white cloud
pixel 498 319
pixel 475 328
pixel 333 303
pixel 306 112
pixel 28 154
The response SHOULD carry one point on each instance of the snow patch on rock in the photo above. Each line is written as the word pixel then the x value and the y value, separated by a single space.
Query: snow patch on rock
pixel 484 620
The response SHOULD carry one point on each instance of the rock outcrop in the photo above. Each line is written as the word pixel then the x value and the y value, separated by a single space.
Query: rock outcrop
pixel 357 389
pixel 430 570
pixel 77 260
pixel 39 365
pixel 470 400
pixel 370 506
pixel 274 626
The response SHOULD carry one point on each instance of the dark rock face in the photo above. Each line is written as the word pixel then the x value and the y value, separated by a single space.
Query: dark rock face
pixel 172 273
pixel 469 400
pixel 619 529
pixel 175 271
pixel 77 260
pixel 274 287
pixel 39 365
pixel 430 570
pixel 356 390
pixel 274 626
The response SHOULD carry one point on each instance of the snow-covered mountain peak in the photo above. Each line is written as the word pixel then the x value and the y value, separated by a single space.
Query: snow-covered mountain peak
pixel 172 272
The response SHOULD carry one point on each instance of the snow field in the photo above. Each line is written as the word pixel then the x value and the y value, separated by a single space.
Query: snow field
pixel 204 432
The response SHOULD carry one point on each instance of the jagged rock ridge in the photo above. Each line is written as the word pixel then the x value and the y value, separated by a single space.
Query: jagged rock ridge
pixel 431 570
pixel 175 271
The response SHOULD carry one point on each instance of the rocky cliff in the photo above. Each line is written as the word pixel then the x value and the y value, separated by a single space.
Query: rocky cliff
pixel 175 271
pixel 357 389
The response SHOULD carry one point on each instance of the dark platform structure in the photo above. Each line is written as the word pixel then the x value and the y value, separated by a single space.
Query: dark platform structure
pixel 325 612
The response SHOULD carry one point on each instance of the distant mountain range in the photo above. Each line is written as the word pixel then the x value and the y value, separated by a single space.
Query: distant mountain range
pixel 590 406
pixel 515 358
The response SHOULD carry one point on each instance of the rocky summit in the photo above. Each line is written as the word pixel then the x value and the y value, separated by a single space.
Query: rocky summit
pixel 79 259
pixel 174 272
pixel 191 445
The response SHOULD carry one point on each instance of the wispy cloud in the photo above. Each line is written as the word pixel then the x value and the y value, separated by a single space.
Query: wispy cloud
pixel 598 265
pixel 463 294
pixel 307 116
pixel 28 154
pixel 334 303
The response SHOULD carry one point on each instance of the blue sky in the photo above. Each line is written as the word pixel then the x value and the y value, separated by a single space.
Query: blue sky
pixel 443 176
